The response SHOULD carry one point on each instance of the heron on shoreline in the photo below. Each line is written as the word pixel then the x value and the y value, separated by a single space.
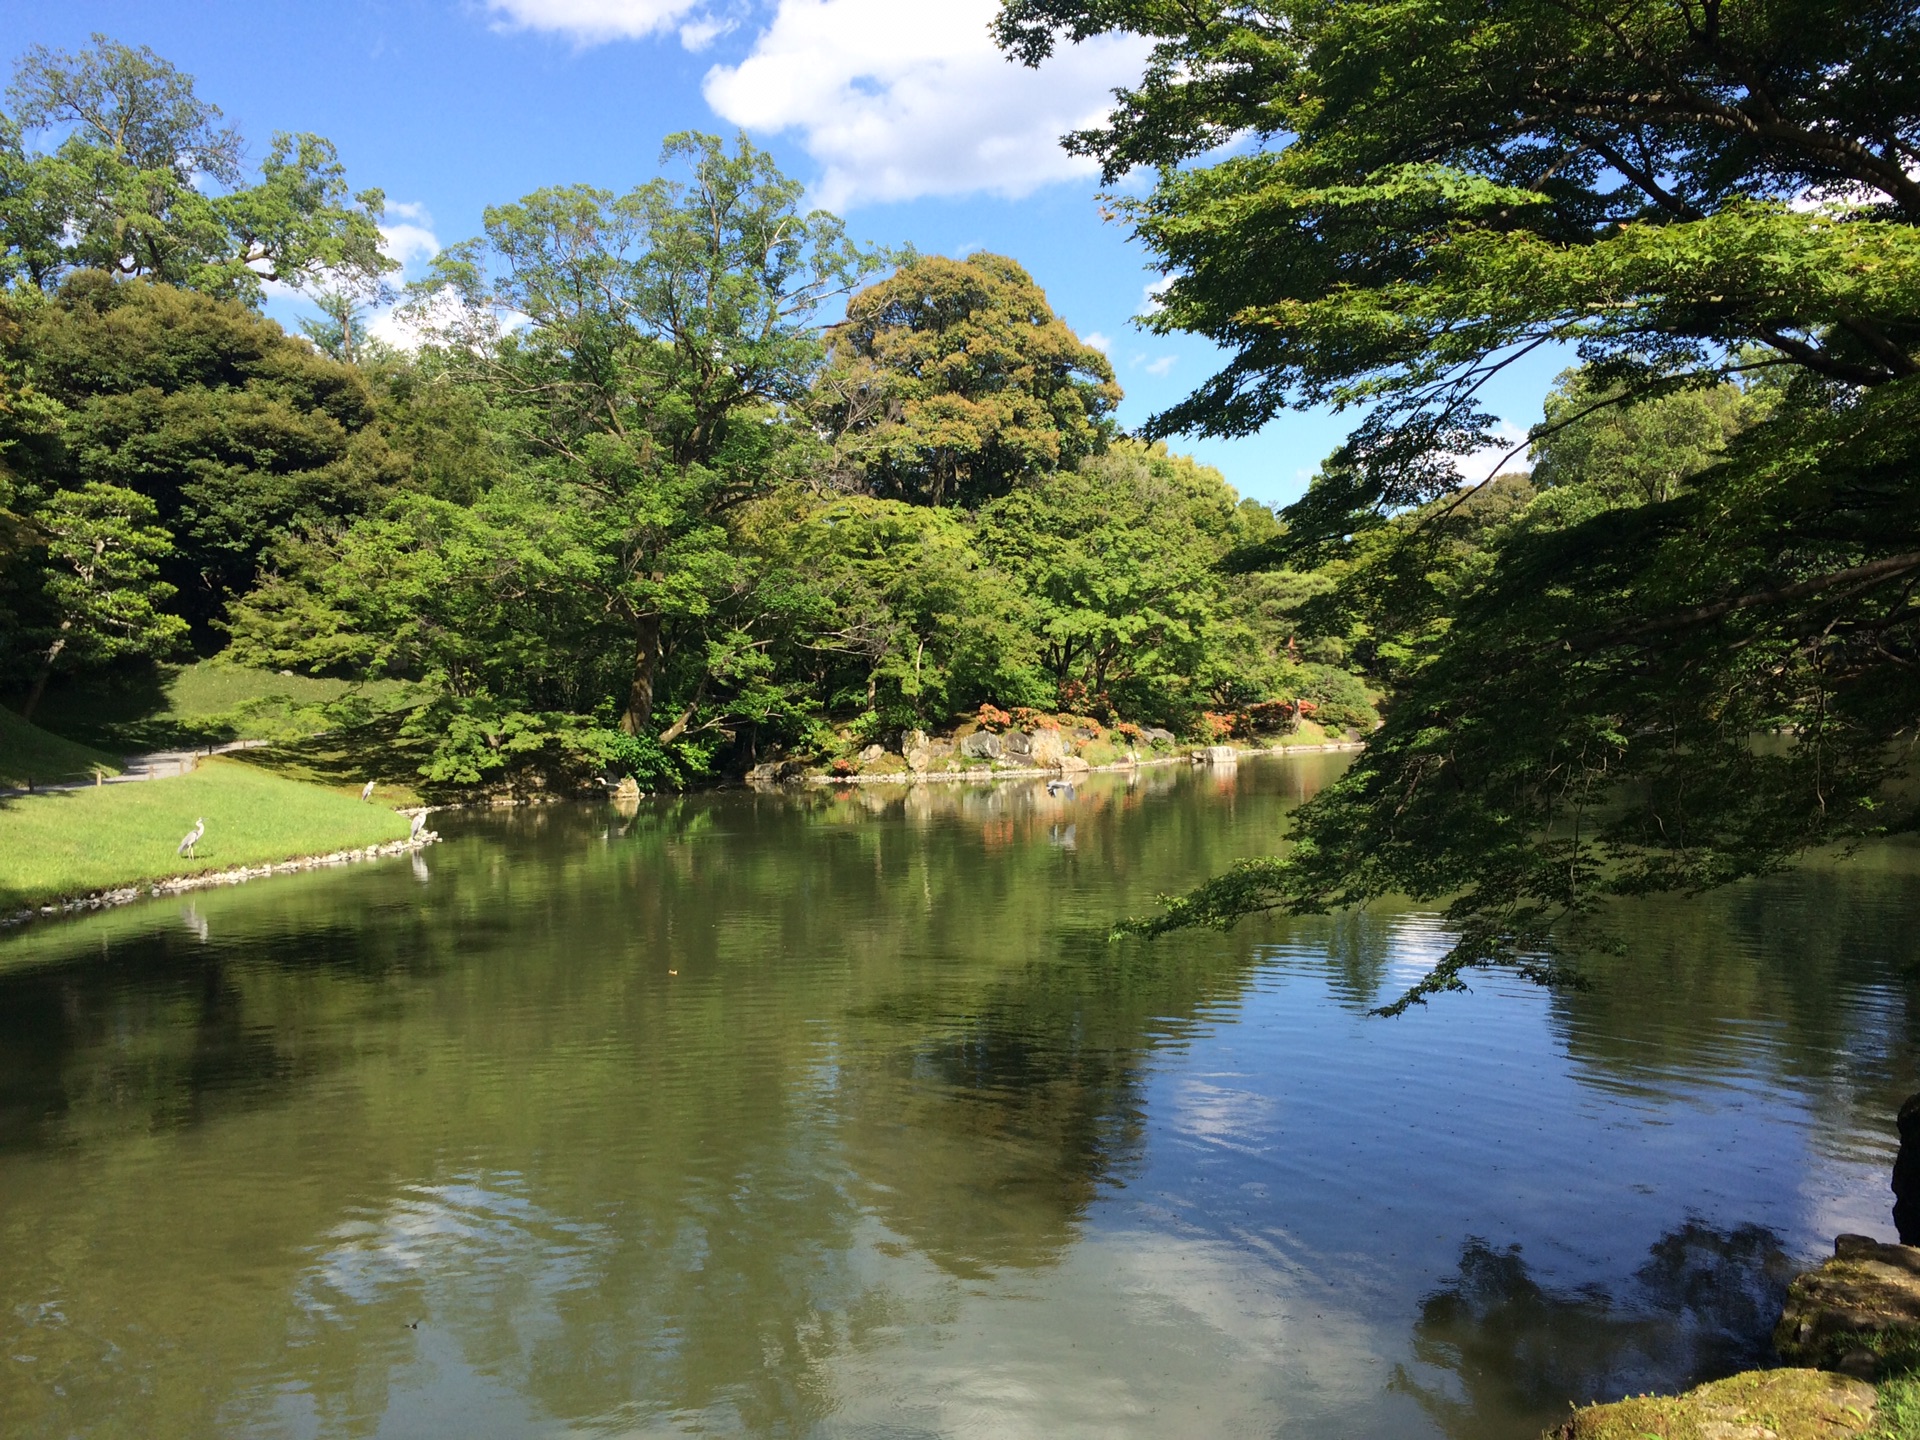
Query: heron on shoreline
pixel 419 824
pixel 366 791
pixel 192 838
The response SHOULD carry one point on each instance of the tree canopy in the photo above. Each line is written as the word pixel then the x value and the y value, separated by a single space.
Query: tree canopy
pixel 1383 205
pixel 953 380
pixel 146 180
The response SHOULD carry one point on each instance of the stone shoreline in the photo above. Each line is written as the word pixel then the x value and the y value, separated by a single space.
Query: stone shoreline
pixel 1191 756
pixel 239 875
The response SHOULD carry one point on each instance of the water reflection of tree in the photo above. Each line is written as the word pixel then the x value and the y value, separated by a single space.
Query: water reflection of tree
pixel 667 1179
pixel 1702 1306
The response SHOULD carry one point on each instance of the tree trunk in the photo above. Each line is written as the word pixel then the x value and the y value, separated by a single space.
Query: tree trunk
pixel 46 669
pixel 646 660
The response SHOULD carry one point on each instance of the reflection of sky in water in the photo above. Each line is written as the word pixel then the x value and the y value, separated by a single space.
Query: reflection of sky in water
pixel 864 1130
pixel 460 1232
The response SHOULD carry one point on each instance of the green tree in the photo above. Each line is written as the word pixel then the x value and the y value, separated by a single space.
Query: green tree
pixel 235 431
pixel 1636 453
pixel 1119 556
pixel 103 554
pixel 671 327
pixel 147 181
pixel 952 381
pixel 1689 193
pixel 900 620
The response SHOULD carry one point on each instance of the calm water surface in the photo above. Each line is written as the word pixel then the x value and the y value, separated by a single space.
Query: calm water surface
pixel 838 1116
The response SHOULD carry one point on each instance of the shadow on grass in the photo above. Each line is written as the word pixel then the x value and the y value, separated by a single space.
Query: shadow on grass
pixel 348 756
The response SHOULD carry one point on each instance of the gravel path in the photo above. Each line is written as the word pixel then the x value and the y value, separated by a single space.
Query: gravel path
pixel 155 765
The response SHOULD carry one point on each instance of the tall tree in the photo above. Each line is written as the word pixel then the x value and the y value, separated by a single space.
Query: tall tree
pixel 146 180
pixel 1688 192
pixel 1119 555
pixel 670 329
pixel 952 381
pixel 235 432
pixel 103 554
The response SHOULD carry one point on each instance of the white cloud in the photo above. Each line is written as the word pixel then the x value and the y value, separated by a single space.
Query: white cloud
pixel 592 21
pixel 1506 455
pixel 1150 295
pixel 698 34
pixel 1102 343
pixel 1162 365
pixel 902 98
pixel 408 242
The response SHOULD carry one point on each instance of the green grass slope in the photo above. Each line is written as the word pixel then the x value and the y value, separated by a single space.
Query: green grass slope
pixel 71 842
pixel 183 705
pixel 30 754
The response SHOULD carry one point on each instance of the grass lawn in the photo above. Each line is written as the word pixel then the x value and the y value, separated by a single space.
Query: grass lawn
pixel 28 753
pixel 179 705
pixel 70 842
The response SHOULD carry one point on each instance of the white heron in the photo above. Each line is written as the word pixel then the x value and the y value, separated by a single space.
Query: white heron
pixel 192 838
pixel 419 824
pixel 366 791
pixel 1060 787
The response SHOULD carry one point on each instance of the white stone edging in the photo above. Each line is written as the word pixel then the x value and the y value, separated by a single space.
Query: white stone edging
pixel 240 874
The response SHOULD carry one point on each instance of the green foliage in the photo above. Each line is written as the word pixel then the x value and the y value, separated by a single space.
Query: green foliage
pixel 1636 453
pixel 630 509
pixel 101 582
pixel 1722 542
pixel 1118 556
pixel 234 432
pixel 147 182
pixel 953 381
pixel 1897 1415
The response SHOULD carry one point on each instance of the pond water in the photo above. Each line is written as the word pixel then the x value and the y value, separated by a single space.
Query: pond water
pixel 838 1115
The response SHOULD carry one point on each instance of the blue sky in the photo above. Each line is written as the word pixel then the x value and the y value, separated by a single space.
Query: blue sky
pixel 897 112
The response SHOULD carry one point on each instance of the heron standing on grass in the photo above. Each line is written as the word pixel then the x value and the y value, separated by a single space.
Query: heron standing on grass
pixel 366 791
pixel 192 838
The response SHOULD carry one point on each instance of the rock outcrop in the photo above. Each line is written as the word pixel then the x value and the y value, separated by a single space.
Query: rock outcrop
pixel 983 745
pixel 1759 1405
pixel 1858 1313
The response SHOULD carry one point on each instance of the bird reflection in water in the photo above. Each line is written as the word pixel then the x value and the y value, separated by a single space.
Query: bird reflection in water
pixel 1064 837
pixel 420 871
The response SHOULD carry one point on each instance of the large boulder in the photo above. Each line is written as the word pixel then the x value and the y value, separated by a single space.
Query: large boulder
pixel 1048 748
pixel 1017 744
pixel 1153 735
pixel 983 745
pixel 1218 755
pixel 1859 1312
pixel 1759 1405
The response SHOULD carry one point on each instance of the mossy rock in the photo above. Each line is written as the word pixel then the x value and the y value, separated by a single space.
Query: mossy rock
pixel 1759 1405
pixel 1858 1313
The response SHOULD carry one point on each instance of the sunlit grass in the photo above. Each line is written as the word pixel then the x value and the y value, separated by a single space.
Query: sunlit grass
pixel 76 841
